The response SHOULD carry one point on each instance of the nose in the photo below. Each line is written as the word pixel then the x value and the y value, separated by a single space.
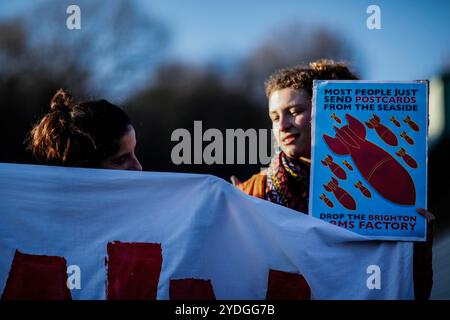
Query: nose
pixel 285 123
pixel 135 164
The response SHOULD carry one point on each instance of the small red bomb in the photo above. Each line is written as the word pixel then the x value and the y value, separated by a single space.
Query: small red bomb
pixel 383 132
pixel 407 158
pixel 363 189
pixel 344 198
pixel 334 167
pixel 394 121
pixel 407 138
pixel 348 165
pixel 336 118
pixel 411 123
pixel 326 200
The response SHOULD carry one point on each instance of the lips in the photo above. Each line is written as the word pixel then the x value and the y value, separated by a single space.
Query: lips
pixel 290 138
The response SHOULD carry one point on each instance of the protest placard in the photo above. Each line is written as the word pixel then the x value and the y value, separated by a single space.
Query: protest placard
pixel 369 157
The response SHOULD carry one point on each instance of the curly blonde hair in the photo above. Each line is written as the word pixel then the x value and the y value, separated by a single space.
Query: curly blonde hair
pixel 302 77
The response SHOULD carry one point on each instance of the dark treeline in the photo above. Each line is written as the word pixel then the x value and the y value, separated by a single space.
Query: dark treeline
pixel 159 95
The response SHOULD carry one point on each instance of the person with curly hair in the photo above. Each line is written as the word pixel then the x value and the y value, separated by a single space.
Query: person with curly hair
pixel 90 134
pixel 286 180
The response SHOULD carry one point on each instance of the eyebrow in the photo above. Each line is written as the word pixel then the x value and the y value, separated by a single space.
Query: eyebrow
pixel 297 105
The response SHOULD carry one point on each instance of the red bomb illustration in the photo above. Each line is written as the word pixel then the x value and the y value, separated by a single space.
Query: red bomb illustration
pixel 384 173
pixel 348 165
pixel 407 158
pixel 344 198
pixel 334 167
pixel 394 121
pixel 383 132
pixel 336 118
pixel 326 200
pixel 407 138
pixel 363 189
pixel 411 123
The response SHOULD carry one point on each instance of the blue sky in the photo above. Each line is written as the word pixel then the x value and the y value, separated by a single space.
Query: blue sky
pixel 412 44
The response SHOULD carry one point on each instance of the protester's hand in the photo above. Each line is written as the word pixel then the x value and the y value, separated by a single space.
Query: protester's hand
pixel 430 221
pixel 235 181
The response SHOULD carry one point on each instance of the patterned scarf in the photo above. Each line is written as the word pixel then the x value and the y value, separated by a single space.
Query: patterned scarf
pixel 288 182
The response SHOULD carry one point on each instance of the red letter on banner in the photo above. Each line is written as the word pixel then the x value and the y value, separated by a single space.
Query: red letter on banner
pixel 287 286
pixel 133 270
pixel 35 277
pixel 191 289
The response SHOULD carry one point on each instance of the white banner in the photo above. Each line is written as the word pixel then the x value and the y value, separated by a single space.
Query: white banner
pixel 144 235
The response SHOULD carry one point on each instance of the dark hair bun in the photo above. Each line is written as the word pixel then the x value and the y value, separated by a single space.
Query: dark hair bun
pixel 62 100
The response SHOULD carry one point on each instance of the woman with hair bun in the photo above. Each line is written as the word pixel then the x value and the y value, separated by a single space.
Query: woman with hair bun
pixel 90 134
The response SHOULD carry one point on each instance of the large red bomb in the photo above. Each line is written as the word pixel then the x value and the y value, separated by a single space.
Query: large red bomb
pixel 385 174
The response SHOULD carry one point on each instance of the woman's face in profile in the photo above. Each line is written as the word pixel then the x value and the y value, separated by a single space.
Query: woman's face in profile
pixel 290 112
pixel 124 158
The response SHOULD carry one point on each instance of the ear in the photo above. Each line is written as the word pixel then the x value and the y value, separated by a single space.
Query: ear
pixel 368 125
pixel 336 145
pixel 324 163
pixel 356 126
pixel 327 188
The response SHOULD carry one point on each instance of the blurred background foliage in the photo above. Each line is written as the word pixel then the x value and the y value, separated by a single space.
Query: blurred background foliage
pixel 120 56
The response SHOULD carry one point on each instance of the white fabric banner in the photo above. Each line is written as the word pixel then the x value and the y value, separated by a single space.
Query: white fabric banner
pixel 206 229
